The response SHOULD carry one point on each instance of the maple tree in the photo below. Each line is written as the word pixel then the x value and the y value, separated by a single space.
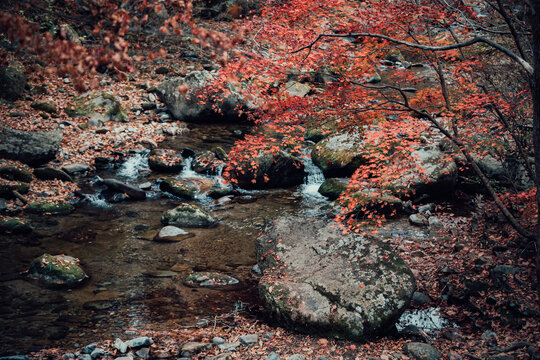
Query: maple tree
pixel 482 96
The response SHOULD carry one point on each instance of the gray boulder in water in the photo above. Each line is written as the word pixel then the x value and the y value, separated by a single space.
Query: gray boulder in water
pixel 317 279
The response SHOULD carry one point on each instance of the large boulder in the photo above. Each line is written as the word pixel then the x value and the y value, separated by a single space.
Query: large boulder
pixel 189 107
pixel 271 171
pixel 188 215
pixel 317 279
pixel 15 172
pixel 338 155
pixel 100 107
pixel 57 270
pixel 12 83
pixel 33 148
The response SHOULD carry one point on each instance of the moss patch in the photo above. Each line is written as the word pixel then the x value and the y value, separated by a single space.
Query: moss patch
pixel 49 207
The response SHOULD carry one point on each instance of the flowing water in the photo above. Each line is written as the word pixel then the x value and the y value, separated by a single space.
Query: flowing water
pixel 114 243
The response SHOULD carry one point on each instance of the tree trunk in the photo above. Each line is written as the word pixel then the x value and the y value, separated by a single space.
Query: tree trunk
pixel 535 89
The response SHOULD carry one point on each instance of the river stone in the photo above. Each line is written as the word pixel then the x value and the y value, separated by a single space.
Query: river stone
pixel 11 225
pixel 210 279
pixel 189 216
pixel 248 339
pixel 160 274
pixel 332 188
pixel 189 107
pixel 57 270
pixel 170 234
pixel 14 172
pixel 317 279
pixel 140 342
pixel 98 106
pixel 418 219
pixel 120 346
pixel 132 191
pixel 272 170
pixel 165 160
pixel 181 188
pixel 338 155
pixel 193 348
pixel 75 168
pixel 206 162
pixel 52 207
pixel 32 148
pixel 50 173
pixel 421 351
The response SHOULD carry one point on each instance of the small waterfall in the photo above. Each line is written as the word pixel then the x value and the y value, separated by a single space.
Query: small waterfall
pixel 187 171
pixel 96 200
pixel 314 177
pixel 130 168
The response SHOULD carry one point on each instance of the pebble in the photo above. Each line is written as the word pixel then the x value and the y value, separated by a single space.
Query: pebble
pixel 249 339
pixel 256 269
pixel 273 356
pixel 89 348
pixel 418 219
pixel 296 357
pixel 218 340
pixel 420 299
pixel 193 348
pixel 120 346
pixel 97 353
pixel 86 357
pixel 421 351
pixel 129 332
pixel 488 335
pixel 229 346
pixel 143 352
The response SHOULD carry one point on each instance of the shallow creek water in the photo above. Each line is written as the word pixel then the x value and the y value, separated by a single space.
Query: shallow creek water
pixel 114 245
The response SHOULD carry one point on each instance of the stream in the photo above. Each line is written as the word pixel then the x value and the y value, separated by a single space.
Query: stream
pixel 114 244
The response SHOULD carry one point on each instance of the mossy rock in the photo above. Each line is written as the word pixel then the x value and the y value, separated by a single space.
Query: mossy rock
pixel 188 215
pixel 206 162
pixel 395 55
pixel 7 188
pixel 58 270
pixel 48 107
pixel 53 207
pixel 368 201
pixel 219 192
pixel 12 83
pixel 179 188
pixel 332 188
pixel 338 155
pixel 11 225
pixel 165 160
pixel 99 105
pixel 13 172
pixel 50 173
pixel 221 154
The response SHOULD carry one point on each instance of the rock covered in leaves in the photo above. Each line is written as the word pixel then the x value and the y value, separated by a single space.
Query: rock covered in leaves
pixel 189 107
pixel 270 171
pixel 30 147
pixel 338 155
pixel 57 270
pixel 165 160
pixel 15 172
pixel 206 162
pixel 180 188
pixel 318 279
pixel 188 215
pixel 100 107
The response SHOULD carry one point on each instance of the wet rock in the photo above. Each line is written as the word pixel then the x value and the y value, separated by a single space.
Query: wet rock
pixel 14 172
pixel 219 192
pixel 248 339
pixel 32 148
pixel 421 351
pixel 273 170
pixel 207 163
pixel 418 220
pixel 52 207
pixel 140 342
pixel 189 107
pixel 193 348
pixel 349 285
pixel 75 168
pixel 332 188
pixel 12 83
pixel 132 191
pixel 58 270
pixel 171 234
pixel 189 216
pixel 165 160
pixel 160 274
pixel 120 346
pixel 98 106
pixel 245 199
pixel 50 173
pixel 10 225
pixel 181 188
pixel 210 279
pixel 338 155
